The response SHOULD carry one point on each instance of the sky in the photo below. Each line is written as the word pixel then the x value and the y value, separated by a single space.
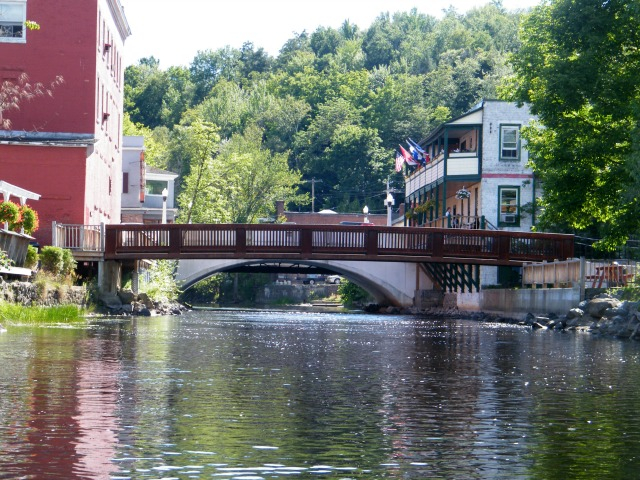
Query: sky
pixel 173 31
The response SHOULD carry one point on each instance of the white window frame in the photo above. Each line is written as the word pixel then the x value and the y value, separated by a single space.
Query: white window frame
pixel 21 5
pixel 509 151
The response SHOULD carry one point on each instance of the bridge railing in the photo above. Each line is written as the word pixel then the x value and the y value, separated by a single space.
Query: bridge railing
pixel 347 242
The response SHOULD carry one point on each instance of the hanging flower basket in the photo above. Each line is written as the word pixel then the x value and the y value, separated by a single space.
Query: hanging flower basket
pixel 28 219
pixel 463 194
pixel 9 212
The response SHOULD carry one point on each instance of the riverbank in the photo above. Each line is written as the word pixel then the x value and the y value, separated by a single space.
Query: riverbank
pixel 604 315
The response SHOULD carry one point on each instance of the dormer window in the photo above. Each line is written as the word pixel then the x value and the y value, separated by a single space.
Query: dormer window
pixel 12 20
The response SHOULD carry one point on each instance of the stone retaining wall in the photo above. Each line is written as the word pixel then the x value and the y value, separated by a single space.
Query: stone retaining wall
pixel 30 294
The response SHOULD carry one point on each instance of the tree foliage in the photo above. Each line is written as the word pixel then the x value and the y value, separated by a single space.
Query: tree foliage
pixel 335 102
pixel 13 93
pixel 578 68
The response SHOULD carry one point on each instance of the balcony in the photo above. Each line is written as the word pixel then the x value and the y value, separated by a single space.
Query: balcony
pixel 457 164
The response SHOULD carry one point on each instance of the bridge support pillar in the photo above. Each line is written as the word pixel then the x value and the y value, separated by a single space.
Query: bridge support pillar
pixel 109 276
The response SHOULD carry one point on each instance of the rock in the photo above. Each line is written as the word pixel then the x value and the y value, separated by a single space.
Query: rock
pixel 111 301
pixel 598 306
pixel 575 313
pixel 128 308
pixel 144 298
pixel 614 312
pixel 127 296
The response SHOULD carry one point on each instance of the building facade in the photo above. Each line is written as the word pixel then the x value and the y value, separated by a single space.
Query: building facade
pixel 66 145
pixel 143 186
pixel 476 174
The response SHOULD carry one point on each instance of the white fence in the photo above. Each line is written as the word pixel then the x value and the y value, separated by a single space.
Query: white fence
pixel 581 272
pixel 86 238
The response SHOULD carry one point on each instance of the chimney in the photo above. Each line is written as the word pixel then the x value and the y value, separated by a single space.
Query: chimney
pixel 279 208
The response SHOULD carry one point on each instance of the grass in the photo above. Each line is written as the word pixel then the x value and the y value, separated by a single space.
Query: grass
pixel 12 314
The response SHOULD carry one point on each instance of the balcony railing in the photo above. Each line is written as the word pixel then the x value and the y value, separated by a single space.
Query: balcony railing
pixel 458 163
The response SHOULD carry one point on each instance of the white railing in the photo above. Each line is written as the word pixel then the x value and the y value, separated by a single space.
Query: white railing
pixel 86 238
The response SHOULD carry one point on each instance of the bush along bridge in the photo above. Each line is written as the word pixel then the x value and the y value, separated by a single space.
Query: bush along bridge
pixel 391 262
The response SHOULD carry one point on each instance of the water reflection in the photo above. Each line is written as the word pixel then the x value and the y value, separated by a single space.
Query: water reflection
pixel 270 395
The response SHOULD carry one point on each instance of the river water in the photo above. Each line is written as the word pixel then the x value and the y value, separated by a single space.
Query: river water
pixel 251 395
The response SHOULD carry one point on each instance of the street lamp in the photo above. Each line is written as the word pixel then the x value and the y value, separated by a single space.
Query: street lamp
pixel 365 210
pixel 165 194
pixel 389 202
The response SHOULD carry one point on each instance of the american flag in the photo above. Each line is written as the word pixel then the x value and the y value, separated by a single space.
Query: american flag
pixel 399 161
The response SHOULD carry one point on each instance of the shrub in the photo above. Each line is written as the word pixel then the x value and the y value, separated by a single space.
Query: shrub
pixel 352 294
pixel 9 212
pixel 57 261
pixel 32 258
pixel 5 261
pixel 68 262
pixel 51 259
pixel 161 285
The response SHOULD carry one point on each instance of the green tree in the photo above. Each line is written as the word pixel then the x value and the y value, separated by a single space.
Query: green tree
pixel 578 68
pixel 154 97
pixel 209 67
pixel 237 182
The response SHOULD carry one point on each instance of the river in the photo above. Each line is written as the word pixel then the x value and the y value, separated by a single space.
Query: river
pixel 251 395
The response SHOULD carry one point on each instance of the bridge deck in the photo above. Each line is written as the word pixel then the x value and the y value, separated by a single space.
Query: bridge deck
pixel 331 242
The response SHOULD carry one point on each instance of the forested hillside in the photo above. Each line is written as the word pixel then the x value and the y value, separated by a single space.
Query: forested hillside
pixel 243 128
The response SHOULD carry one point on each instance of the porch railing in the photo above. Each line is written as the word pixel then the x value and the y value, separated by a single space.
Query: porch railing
pixel 461 221
pixel 86 238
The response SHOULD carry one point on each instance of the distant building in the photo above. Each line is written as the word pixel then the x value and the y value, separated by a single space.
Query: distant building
pixel 142 187
pixel 328 217
pixel 68 146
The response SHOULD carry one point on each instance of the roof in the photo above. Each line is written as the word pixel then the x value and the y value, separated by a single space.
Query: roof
pixel 158 171
pixel 47 138
pixel 438 130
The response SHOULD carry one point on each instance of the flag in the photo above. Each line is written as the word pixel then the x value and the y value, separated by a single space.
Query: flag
pixel 415 154
pixel 408 157
pixel 399 161
pixel 417 147
pixel 418 152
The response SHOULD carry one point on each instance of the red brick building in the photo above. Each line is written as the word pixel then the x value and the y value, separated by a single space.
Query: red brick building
pixel 67 146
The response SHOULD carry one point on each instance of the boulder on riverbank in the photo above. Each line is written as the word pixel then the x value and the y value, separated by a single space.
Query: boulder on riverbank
pixel 603 315
pixel 126 303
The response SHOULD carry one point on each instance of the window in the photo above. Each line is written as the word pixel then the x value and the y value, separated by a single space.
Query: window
pixel 125 182
pixel 509 206
pixel 12 18
pixel 155 187
pixel 509 142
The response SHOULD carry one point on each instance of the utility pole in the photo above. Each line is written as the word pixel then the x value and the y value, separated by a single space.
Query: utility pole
pixel 313 194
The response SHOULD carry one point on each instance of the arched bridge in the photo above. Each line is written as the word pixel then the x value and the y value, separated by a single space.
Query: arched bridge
pixel 397 258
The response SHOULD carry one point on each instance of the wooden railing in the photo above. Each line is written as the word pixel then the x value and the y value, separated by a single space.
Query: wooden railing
pixel 581 272
pixel 326 242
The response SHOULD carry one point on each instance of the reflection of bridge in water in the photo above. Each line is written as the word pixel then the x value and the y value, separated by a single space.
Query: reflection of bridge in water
pixel 390 262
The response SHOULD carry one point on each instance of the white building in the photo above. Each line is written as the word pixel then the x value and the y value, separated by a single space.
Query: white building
pixel 477 170
pixel 143 187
